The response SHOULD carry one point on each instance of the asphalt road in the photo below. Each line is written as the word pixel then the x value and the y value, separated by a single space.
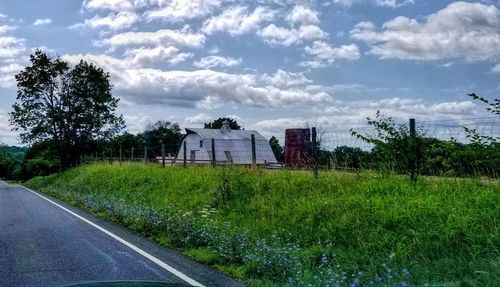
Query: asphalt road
pixel 42 244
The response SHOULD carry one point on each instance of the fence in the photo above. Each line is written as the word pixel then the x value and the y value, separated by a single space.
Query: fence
pixel 205 152
pixel 463 146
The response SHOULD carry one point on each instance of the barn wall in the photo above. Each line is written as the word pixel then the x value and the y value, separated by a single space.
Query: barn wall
pixel 240 150
pixel 193 143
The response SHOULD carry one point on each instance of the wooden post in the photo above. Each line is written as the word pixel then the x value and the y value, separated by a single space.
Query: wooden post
pixel 132 155
pixel 315 151
pixel 163 155
pixel 413 150
pixel 145 154
pixel 111 156
pixel 254 153
pixel 120 159
pixel 185 154
pixel 213 153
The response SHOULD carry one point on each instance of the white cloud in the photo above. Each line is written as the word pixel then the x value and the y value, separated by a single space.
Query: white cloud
pixel 7 73
pixel 112 5
pixel 325 55
pixel 181 10
pixel 11 56
pixel 204 88
pixel 164 37
pixel 216 61
pixel 238 20
pixel 42 22
pixel 461 30
pixel 386 3
pixel 303 26
pixel 113 21
pixel 303 16
pixel 275 35
pixel 142 57
pixel 340 116
pixel 197 120
pixel 496 69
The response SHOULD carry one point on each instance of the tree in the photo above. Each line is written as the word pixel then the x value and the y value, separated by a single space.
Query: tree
pixel 217 124
pixel 493 106
pixel 71 107
pixel 161 132
pixel 277 149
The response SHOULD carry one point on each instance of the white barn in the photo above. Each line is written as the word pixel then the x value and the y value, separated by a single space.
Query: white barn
pixel 231 146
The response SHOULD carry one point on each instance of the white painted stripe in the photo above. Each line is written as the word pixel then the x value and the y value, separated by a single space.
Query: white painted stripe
pixel 126 243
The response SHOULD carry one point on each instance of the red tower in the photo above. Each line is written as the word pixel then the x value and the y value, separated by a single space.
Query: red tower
pixel 298 147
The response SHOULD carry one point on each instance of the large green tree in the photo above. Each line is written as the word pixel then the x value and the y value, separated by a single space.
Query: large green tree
pixel 217 124
pixel 161 132
pixel 68 106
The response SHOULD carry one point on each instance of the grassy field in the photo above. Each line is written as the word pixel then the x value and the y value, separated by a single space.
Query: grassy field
pixel 286 228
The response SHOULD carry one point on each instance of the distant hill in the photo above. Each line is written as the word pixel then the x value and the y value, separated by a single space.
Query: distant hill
pixel 16 152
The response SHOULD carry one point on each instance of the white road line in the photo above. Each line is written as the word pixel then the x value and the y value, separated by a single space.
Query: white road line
pixel 126 243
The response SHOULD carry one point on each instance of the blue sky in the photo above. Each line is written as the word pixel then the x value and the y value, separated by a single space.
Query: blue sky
pixel 272 64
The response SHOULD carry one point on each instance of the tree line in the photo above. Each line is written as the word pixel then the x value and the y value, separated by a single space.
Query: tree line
pixel 63 112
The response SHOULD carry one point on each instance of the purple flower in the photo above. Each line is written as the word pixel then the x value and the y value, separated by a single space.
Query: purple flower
pixel 406 272
pixel 324 259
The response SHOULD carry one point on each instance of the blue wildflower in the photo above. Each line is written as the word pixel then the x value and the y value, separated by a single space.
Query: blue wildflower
pixel 406 272
pixel 355 283
pixel 324 259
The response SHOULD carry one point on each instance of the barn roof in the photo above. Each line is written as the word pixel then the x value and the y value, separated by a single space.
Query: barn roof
pixel 229 135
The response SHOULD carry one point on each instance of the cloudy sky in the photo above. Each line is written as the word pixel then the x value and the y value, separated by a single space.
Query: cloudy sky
pixel 272 64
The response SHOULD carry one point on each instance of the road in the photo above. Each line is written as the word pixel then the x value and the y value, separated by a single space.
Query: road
pixel 46 242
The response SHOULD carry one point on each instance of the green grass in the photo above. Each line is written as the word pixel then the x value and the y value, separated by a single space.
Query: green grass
pixel 445 231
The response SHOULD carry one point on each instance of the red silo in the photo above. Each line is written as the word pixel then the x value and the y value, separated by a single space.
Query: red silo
pixel 298 147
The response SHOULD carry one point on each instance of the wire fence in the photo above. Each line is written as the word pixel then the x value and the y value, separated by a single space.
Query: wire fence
pixel 466 146
pixel 463 147
pixel 201 152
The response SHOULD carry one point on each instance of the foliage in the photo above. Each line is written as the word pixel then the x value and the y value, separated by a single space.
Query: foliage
pixel 396 150
pixel 161 132
pixel 217 124
pixel 278 150
pixel 493 106
pixel 286 228
pixel 68 106
pixel 9 159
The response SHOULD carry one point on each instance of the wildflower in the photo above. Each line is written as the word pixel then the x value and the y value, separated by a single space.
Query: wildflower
pixel 406 272
pixel 324 259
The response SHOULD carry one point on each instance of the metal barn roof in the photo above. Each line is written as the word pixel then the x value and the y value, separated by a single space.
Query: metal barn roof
pixel 230 135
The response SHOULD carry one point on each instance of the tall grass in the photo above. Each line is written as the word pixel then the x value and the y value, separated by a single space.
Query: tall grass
pixel 288 228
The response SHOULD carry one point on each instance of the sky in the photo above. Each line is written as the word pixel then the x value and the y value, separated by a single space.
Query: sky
pixel 271 64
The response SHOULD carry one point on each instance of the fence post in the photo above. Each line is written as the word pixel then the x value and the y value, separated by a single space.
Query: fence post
pixel 315 151
pixel 120 159
pixel 185 154
pixel 111 156
pixel 132 155
pixel 413 150
pixel 145 154
pixel 213 153
pixel 163 155
pixel 254 154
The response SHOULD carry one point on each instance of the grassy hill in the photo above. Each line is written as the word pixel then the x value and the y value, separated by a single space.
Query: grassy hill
pixel 286 228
